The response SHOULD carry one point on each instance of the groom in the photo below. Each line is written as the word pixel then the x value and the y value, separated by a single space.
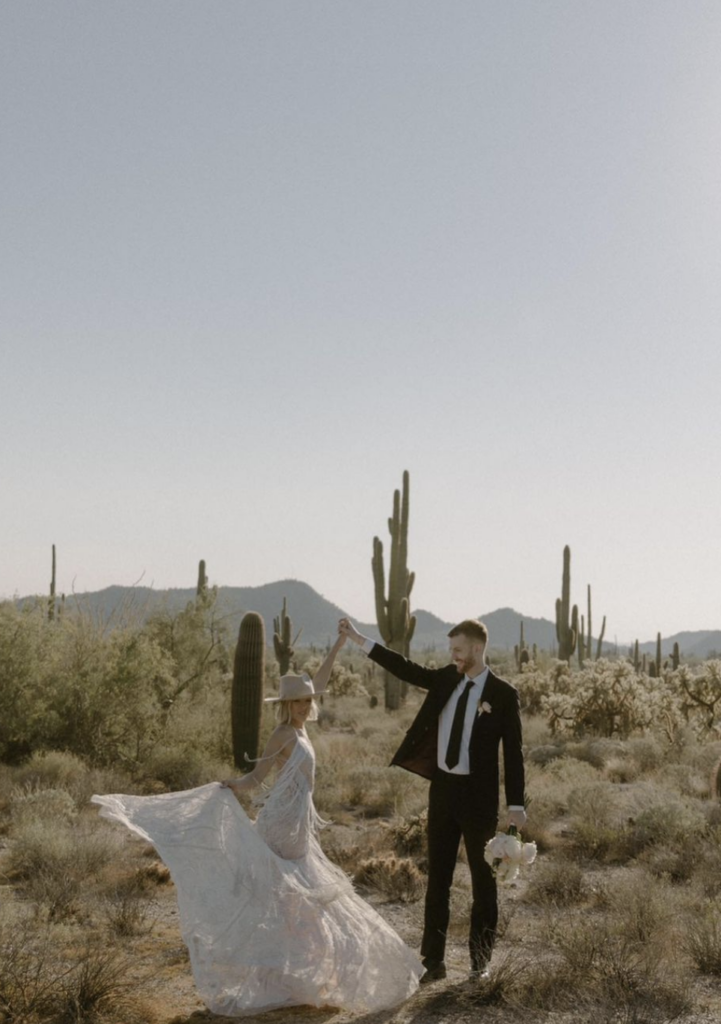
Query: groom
pixel 454 741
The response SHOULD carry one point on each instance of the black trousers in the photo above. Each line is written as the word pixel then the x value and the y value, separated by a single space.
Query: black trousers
pixel 454 811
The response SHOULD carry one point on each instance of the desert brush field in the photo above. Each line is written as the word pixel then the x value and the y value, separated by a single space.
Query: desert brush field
pixel 619 919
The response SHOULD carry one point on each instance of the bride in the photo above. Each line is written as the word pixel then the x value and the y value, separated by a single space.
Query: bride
pixel 268 920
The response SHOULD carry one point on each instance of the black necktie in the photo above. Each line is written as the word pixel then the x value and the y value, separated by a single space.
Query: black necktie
pixel 453 753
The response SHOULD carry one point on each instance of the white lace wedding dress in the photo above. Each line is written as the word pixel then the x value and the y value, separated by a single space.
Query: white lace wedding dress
pixel 269 921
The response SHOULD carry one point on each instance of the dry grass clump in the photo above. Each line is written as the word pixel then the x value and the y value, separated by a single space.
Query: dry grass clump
pixel 44 805
pixel 702 940
pixel 179 768
pixel 53 864
pixel 51 769
pixel 42 984
pixel 556 883
pixel 620 977
pixel 129 903
pixel 397 878
pixel 593 809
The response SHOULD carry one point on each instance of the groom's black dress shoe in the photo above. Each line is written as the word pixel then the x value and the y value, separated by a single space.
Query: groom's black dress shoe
pixel 435 971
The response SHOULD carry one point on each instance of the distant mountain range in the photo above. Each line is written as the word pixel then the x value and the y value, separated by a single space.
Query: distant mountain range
pixel 317 617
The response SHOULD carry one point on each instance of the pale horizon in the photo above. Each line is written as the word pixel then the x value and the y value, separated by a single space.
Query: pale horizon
pixel 258 260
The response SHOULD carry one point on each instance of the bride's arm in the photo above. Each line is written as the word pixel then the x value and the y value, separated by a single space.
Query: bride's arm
pixel 280 738
pixel 320 679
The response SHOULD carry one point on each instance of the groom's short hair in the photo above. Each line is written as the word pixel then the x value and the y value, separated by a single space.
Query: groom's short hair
pixel 471 628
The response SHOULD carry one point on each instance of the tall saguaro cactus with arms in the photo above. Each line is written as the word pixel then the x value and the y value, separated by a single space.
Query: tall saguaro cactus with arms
pixel 283 643
pixel 393 611
pixel 566 617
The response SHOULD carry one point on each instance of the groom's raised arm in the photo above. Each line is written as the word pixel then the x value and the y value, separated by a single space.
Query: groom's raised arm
pixel 396 664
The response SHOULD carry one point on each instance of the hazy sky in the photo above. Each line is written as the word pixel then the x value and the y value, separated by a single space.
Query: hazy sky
pixel 258 258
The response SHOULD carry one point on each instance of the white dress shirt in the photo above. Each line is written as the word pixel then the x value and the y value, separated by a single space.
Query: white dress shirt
pixel 445 723
pixel 445 720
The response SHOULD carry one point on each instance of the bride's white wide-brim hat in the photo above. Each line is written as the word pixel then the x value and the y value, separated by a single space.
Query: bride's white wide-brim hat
pixel 293 688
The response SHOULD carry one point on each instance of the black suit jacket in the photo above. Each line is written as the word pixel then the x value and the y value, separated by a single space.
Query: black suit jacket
pixel 419 750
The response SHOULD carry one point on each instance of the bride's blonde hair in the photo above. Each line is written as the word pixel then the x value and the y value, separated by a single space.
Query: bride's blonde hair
pixel 284 715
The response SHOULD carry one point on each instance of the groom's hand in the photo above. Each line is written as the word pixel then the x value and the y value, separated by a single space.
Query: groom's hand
pixel 517 818
pixel 346 627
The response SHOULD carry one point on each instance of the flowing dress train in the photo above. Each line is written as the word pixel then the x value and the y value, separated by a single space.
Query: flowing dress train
pixel 268 920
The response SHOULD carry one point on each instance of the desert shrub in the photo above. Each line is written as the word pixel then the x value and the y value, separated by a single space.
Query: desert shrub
pixel 618 979
pixel 702 939
pixel 98 988
pixel 666 821
pixel 595 751
pixel 593 807
pixel 621 769
pixel 397 878
pixel 155 873
pixel 643 911
pixel 28 968
pixel 52 769
pixel 681 861
pixel 47 806
pixel 546 753
pixel 106 695
pixel 557 883
pixel 128 904
pixel 177 768
pixel 648 752
pixel 55 864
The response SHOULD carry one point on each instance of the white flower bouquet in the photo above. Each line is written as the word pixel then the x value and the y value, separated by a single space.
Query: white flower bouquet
pixel 506 853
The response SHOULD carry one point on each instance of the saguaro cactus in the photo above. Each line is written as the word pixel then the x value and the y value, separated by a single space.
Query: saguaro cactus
pixel 675 656
pixel 566 617
pixel 599 648
pixel 283 645
pixel 655 668
pixel 521 651
pixel 202 586
pixel 51 598
pixel 636 658
pixel 393 612
pixel 246 702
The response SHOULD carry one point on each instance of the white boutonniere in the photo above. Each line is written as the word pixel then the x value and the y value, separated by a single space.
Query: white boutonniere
pixel 483 705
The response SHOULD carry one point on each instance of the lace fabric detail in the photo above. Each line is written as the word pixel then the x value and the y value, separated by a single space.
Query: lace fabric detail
pixel 269 921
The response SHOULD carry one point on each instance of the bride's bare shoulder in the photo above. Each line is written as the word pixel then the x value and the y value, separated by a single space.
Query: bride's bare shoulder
pixel 281 736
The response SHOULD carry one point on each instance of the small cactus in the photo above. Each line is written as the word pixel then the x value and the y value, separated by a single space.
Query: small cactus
pixel 246 704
